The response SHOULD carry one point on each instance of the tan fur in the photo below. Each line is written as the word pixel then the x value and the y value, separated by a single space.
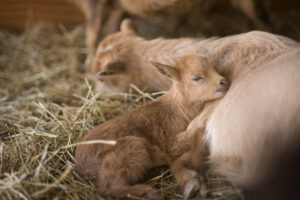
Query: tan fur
pixel 253 135
pixel 256 121
pixel 253 131
pixel 236 56
pixel 146 137
pixel 191 151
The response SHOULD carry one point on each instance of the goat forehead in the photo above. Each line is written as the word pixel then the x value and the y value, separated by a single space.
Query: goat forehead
pixel 194 69
pixel 108 47
pixel 104 57
pixel 212 70
pixel 193 63
pixel 109 43
pixel 113 53
pixel 197 72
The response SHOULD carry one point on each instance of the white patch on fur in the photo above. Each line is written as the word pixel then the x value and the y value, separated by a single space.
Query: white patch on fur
pixel 107 48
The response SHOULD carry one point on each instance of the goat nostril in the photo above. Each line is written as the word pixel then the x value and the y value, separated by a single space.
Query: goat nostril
pixel 223 82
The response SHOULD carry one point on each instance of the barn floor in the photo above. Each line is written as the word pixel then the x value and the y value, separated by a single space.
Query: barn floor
pixel 47 104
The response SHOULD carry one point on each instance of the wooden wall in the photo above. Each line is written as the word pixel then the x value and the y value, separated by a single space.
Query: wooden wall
pixel 18 13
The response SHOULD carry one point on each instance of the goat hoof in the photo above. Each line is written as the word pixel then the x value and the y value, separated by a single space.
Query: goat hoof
pixel 193 190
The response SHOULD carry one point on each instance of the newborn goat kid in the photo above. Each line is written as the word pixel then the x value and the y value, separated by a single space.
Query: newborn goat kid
pixel 145 136
pixel 123 58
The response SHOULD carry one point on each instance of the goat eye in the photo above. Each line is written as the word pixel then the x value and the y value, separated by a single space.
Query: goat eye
pixel 197 78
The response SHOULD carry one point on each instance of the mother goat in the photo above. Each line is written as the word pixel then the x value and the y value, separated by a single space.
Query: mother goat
pixel 254 132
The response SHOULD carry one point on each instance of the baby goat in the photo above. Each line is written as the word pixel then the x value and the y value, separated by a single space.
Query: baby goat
pixel 123 58
pixel 146 137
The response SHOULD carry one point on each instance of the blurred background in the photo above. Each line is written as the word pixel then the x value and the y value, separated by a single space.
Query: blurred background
pixel 206 17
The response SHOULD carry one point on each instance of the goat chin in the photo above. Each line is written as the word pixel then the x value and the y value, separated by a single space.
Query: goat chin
pixel 254 133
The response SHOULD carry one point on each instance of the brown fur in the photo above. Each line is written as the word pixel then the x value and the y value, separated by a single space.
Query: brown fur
pixel 236 56
pixel 146 136
pixel 191 152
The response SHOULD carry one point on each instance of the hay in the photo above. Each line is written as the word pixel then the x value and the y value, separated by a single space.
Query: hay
pixel 46 106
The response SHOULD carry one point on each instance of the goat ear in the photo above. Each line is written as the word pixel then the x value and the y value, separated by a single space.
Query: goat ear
pixel 128 26
pixel 167 70
pixel 112 69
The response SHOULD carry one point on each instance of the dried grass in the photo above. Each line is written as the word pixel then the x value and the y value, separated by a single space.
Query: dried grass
pixel 46 106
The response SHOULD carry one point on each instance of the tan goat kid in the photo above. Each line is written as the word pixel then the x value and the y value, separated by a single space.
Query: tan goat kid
pixel 123 58
pixel 145 137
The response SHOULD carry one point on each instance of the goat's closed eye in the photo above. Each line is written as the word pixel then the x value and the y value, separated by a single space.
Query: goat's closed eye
pixel 197 78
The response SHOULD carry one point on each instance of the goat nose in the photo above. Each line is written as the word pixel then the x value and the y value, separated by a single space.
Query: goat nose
pixel 223 83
